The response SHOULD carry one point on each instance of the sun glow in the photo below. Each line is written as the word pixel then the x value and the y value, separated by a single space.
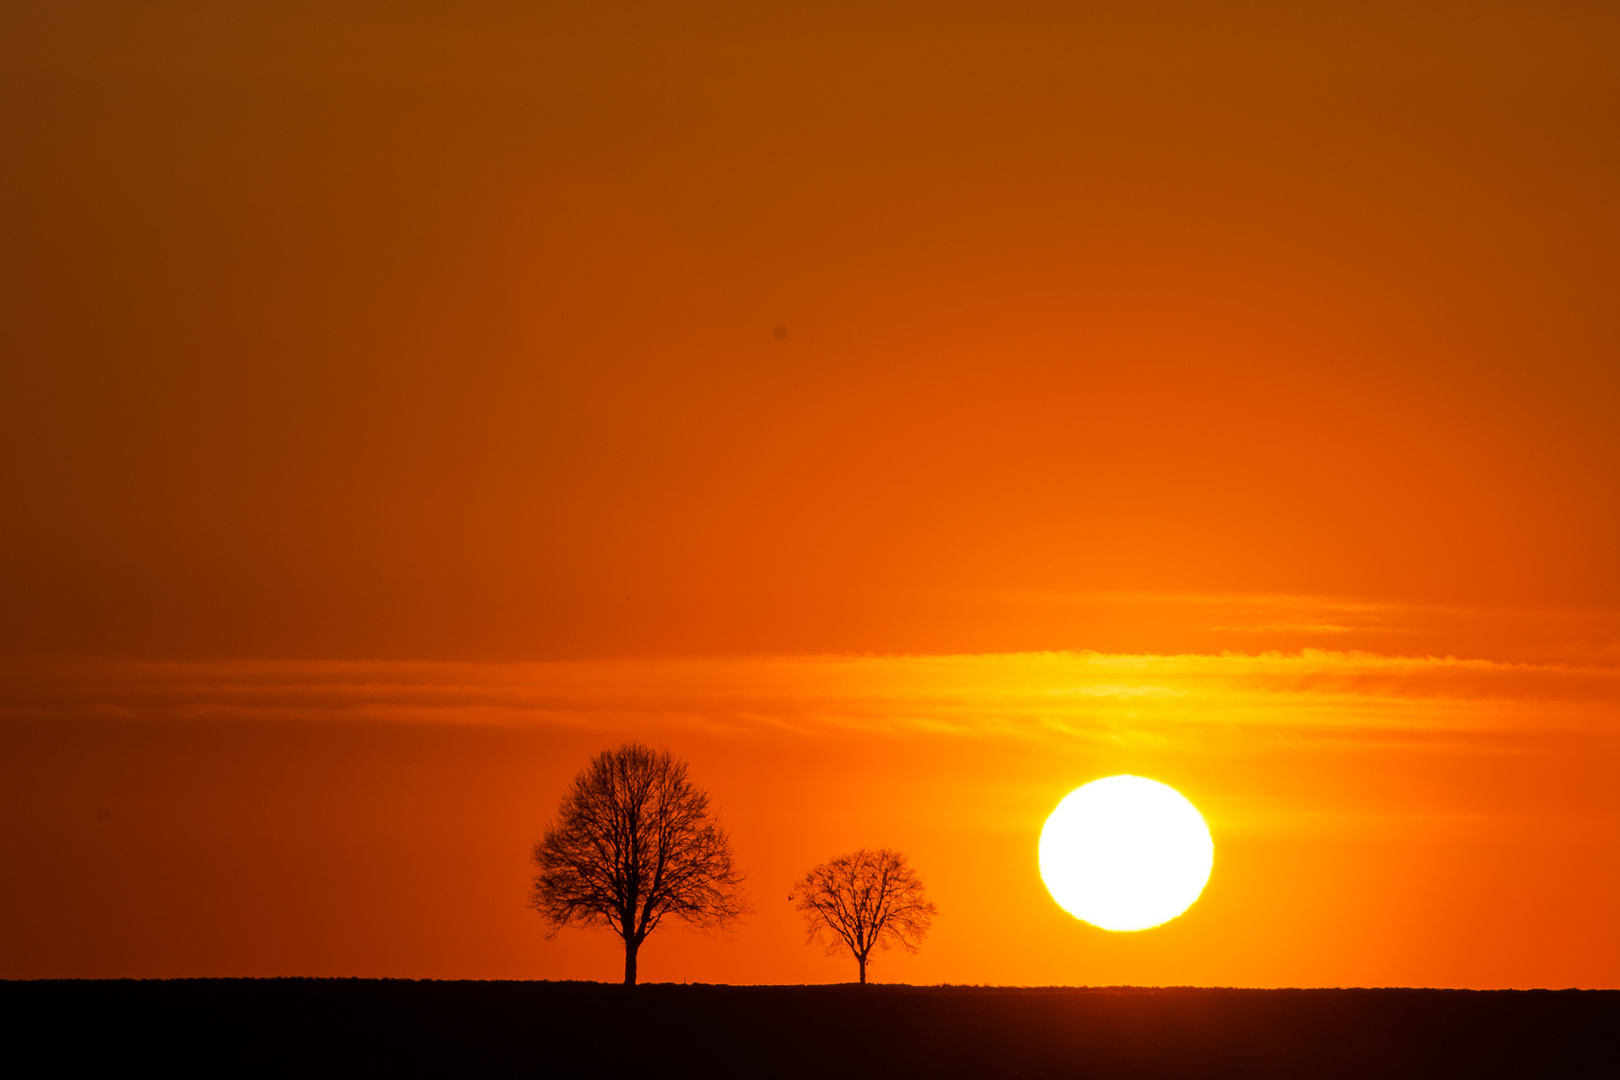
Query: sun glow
pixel 1125 853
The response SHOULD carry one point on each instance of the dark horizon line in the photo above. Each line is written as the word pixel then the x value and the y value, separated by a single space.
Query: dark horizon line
pixel 1026 987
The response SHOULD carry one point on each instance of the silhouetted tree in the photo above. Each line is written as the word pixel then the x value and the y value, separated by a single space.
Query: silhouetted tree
pixel 632 845
pixel 863 900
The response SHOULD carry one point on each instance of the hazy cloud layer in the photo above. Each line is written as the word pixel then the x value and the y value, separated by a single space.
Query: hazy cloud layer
pixel 1087 695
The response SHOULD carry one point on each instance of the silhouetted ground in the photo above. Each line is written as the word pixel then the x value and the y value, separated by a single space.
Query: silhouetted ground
pixel 511 1029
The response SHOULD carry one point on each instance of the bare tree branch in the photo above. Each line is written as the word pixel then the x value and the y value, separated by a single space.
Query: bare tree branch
pixel 633 844
pixel 864 900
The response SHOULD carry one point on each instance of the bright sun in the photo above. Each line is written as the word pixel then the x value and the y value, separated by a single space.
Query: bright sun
pixel 1125 853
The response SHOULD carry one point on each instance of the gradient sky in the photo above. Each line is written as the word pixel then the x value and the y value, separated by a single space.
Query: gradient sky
pixel 903 412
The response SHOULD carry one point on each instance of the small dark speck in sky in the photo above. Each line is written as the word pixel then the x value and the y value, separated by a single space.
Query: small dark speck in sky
pixel 780 333
pixel 103 814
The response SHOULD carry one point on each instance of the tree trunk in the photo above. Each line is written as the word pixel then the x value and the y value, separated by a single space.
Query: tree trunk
pixel 630 947
pixel 862 959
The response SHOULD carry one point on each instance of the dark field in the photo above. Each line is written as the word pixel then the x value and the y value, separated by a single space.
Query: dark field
pixel 373 1027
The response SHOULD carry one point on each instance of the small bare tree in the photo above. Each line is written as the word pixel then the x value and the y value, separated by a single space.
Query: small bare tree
pixel 632 845
pixel 864 900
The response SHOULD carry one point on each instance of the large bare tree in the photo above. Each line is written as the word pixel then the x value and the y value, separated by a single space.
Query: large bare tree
pixel 634 844
pixel 864 900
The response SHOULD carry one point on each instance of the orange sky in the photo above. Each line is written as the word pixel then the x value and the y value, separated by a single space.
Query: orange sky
pixel 905 413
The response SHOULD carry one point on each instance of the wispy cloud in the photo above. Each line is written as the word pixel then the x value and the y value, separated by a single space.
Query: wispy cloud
pixel 1193 697
pixel 1260 622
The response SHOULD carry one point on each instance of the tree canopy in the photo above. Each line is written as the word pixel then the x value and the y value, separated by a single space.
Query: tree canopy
pixel 634 844
pixel 865 900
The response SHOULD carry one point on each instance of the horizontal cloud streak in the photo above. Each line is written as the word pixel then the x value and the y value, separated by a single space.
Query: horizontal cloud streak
pixel 1308 694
